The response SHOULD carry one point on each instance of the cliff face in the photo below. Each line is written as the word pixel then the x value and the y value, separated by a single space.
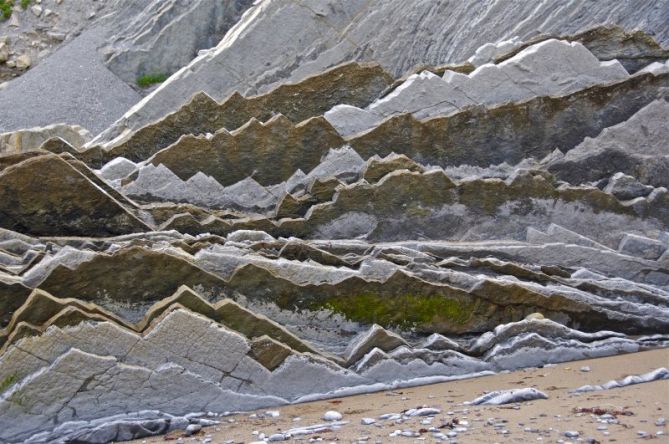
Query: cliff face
pixel 86 63
pixel 291 40
pixel 160 37
pixel 271 225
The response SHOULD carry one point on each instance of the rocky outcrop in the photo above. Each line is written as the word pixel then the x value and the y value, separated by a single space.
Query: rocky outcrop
pixel 634 49
pixel 485 199
pixel 357 84
pixel 144 35
pixel 636 146
pixel 538 70
pixel 224 369
pixel 406 202
pixel 32 139
pixel 385 36
pixel 108 51
pixel 73 205
pixel 256 149
pixel 104 274
pixel 392 285
pixel 375 338
pixel 482 136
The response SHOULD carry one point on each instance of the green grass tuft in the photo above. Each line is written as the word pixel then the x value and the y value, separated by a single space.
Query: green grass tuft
pixel 6 9
pixel 147 80
pixel 8 381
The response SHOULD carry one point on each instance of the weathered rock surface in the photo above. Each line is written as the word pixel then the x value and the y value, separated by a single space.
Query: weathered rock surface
pixel 349 83
pixel 636 147
pixel 634 49
pixel 539 70
pixel 280 223
pixel 115 42
pixel 482 136
pixel 32 139
pixel 378 31
pixel 219 371
pixel 256 149
pixel 73 204
pixel 72 86
pixel 160 37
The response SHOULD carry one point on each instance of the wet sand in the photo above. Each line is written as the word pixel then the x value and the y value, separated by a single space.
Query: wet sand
pixel 533 421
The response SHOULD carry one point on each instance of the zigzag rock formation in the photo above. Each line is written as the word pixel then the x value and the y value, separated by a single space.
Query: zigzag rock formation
pixel 344 216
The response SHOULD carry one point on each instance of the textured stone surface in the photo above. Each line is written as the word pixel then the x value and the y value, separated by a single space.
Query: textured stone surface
pixel 379 31
pixel 636 147
pixel 159 37
pixel 256 149
pixel 303 229
pixel 550 68
pixel 32 139
pixel 512 132
pixel 351 83
pixel 73 205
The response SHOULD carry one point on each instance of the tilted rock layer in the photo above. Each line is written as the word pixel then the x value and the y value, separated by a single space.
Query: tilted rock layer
pixel 281 223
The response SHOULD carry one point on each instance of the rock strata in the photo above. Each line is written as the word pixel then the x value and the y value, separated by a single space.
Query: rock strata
pixel 332 200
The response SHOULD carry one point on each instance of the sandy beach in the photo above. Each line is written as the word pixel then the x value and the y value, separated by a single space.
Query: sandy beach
pixel 634 410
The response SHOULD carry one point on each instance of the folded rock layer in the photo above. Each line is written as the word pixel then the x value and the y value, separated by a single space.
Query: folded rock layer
pixel 336 199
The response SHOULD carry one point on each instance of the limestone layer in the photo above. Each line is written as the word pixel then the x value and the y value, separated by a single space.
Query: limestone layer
pixel 274 226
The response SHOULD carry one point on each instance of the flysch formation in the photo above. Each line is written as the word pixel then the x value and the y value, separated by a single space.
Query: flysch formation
pixel 352 215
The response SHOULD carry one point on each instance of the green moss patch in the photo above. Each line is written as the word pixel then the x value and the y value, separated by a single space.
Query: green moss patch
pixel 404 311
pixel 6 7
pixel 7 382
pixel 147 80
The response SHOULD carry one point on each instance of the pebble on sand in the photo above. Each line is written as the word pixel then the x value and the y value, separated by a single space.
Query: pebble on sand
pixel 332 415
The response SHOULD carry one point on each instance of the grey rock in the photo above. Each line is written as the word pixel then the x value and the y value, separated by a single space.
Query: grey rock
pixel 642 247
pixel 636 147
pixel 654 375
pixel 531 269
pixel 118 169
pixel 136 38
pixel 32 139
pixel 626 187
pixel 355 33
pixel 509 396
pixel 68 93
pixel 533 72
pixel 375 337
pixel 160 37
pixel 193 428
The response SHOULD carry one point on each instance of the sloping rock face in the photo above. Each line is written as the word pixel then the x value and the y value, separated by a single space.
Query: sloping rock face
pixel 72 204
pixel 635 147
pixel 349 83
pixel 88 60
pixel 345 231
pixel 32 139
pixel 145 34
pixel 382 31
